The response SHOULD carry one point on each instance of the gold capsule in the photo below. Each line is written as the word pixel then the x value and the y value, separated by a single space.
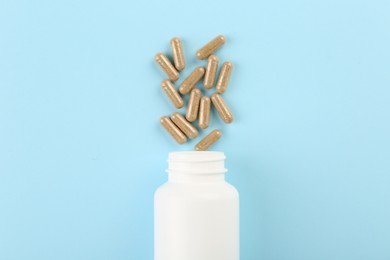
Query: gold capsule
pixel 209 140
pixel 173 130
pixel 204 112
pixel 222 109
pixel 224 77
pixel 167 66
pixel 191 80
pixel 186 127
pixel 211 71
pixel 177 53
pixel 172 93
pixel 210 47
pixel 193 105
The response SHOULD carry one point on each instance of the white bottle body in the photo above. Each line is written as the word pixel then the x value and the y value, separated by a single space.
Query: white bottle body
pixel 197 213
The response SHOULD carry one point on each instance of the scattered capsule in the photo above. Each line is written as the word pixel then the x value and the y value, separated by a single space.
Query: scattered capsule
pixel 211 71
pixel 167 66
pixel 177 53
pixel 210 47
pixel 193 105
pixel 223 110
pixel 204 112
pixel 173 130
pixel 191 80
pixel 172 93
pixel 209 140
pixel 224 77
pixel 186 127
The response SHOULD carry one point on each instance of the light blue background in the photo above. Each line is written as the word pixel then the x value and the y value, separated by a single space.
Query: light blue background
pixel 82 151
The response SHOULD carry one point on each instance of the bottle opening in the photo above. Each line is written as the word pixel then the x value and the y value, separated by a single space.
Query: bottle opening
pixel 196 162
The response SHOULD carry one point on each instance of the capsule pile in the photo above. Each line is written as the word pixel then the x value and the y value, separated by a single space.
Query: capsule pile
pixel 181 127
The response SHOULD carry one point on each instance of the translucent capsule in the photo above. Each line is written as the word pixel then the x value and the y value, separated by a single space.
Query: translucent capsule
pixel 224 77
pixel 204 112
pixel 186 127
pixel 209 140
pixel 172 93
pixel 211 71
pixel 167 66
pixel 173 130
pixel 177 53
pixel 210 47
pixel 222 109
pixel 191 80
pixel 193 105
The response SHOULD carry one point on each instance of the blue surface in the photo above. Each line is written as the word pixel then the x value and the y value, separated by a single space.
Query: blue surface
pixel 82 151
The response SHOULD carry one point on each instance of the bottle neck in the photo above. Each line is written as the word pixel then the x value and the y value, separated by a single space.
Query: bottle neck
pixel 196 167
pixel 194 178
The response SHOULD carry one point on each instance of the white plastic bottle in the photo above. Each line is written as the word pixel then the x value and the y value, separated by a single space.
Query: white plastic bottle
pixel 196 213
